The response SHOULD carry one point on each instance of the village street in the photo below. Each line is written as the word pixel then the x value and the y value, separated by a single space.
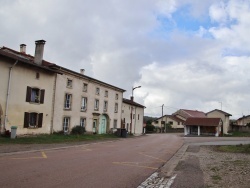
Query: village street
pixel 121 163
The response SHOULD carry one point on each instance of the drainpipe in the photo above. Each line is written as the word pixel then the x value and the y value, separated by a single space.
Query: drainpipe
pixel 8 96
pixel 53 105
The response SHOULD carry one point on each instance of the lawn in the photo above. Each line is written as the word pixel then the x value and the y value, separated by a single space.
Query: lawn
pixel 238 134
pixel 235 149
pixel 56 138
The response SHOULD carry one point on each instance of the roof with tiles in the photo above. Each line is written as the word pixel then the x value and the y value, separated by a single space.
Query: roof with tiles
pixel 29 59
pixel 203 121
pixel 194 113
pixel 128 101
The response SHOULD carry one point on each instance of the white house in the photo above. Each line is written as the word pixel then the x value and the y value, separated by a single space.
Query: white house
pixel 132 116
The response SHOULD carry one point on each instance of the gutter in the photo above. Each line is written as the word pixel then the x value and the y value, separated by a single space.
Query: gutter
pixel 8 97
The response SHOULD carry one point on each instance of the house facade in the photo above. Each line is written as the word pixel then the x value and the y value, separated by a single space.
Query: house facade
pixel 81 100
pixel 132 116
pixel 41 97
pixel 173 121
pixel 243 121
pixel 224 117
pixel 27 92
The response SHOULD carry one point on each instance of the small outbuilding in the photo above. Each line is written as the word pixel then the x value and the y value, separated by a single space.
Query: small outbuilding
pixel 203 126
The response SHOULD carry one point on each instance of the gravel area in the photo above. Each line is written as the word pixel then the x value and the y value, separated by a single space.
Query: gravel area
pixel 223 169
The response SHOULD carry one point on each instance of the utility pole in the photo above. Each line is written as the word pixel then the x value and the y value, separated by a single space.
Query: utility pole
pixel 161 116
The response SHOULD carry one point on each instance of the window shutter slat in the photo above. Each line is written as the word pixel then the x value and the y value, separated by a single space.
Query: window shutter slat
pixel 40 120
pixel 28 94
pixel 26 120
pixel 42 96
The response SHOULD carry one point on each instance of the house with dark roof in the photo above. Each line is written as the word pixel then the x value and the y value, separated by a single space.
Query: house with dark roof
pixel 203 126
pixel 132 116
pixel 184 114
pixel 41 97
pixel 224 117
pixel 243 121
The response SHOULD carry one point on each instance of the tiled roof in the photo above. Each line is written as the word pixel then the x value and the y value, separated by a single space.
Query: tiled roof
pixel 194 113
pixel 202 121
pixel 28 59
pixel 128 101
pixel 226 114
pixel 243 117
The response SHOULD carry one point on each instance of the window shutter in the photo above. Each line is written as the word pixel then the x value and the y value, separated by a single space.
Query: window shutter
pixel 42 96
pixel 26 120
pixel 40 120
pixel 28 94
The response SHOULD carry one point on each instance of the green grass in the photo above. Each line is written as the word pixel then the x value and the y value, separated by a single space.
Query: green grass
pixel 235 149
pixel 238 134
pixel 56 138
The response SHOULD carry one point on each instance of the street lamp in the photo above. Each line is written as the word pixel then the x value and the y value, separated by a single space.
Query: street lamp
pixel 133 88
pixel 131 115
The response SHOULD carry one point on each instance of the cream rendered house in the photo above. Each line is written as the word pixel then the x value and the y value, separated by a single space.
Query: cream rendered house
pixel 224 117
pixel 85 101
pixel 40 97
pixel 27 91
pixel 174 121
pixel 132 116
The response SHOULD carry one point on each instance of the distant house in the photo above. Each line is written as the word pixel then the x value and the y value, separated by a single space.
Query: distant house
pixel 173 121
pixel 203 126
pixel 224 117
pixel 243 121
pixel 132 116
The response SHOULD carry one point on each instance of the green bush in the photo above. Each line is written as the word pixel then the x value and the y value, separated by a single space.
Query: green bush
pixel 150 128
pixel 78 130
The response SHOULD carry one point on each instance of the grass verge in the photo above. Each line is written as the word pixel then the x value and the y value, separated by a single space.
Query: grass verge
pixel 235 149
pixel 238 134
pixel 56 138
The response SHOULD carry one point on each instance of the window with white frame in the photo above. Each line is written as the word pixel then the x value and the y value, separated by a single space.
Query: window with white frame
pixel 106 93
pixel 105 106
pixel 35 95
pixel 68 101
pixel 85 87
pixel 116 96
pixel 82 122
pixel 116 107
pixel 97 91
pixel 96 105
pixel 66 124
pixel 115 124
pixel 84 104
pixel 69 83
pixel 33 120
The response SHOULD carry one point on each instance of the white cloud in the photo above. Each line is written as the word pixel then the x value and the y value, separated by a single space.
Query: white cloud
pixel 113 41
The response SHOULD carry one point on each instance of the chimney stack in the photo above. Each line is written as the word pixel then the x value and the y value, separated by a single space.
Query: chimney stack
pixel 132 98
pixel 82 71
pixel 23 48
pixel 39 51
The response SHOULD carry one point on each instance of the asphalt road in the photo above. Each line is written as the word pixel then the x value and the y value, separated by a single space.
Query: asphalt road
pixel 118 164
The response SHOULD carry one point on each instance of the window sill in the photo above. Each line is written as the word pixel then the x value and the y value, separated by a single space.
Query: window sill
pixel 32 127
pixel 37 103
pixel 96 109
pixel 84 110
pixel 70 87
pixel 67 109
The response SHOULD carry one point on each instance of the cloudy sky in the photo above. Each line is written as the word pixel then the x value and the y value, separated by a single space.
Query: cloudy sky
pixel 188 54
